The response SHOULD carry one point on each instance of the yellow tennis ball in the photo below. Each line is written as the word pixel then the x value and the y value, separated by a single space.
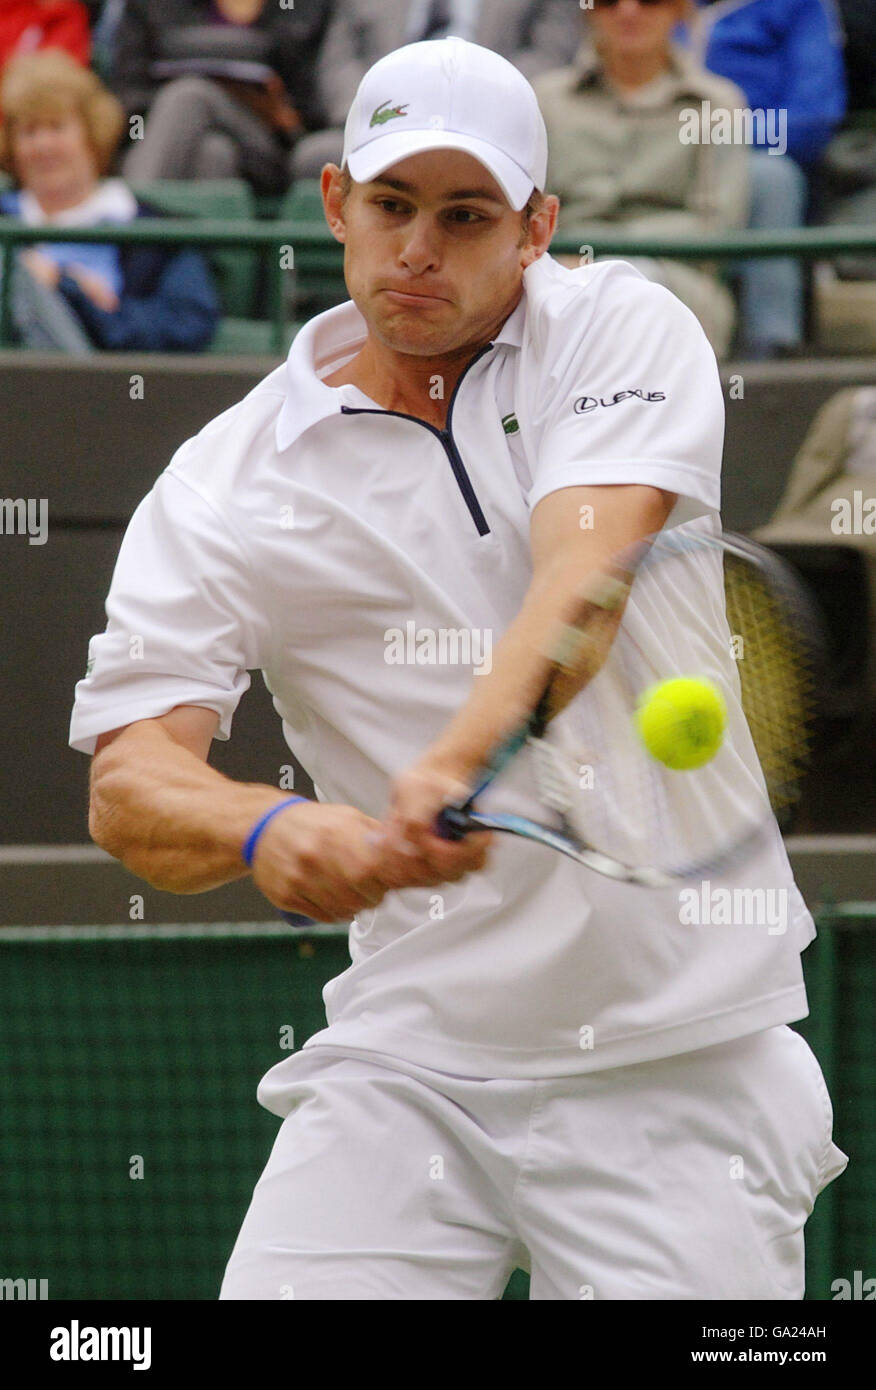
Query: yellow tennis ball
pixel 681 722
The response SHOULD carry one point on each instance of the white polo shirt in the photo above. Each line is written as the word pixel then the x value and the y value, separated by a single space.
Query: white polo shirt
pixel 346 551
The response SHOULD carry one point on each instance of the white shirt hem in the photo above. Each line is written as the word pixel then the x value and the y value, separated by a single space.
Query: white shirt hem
pixel 461 1059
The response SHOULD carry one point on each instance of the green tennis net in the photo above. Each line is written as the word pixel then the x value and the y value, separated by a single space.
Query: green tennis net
pixel 130 1135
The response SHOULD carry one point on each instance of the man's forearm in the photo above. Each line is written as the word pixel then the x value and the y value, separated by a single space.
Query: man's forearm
pixel 169 817
pixel 566 563
pixel 502 700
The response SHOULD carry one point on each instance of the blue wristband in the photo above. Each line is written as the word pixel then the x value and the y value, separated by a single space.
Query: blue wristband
pixel 253 838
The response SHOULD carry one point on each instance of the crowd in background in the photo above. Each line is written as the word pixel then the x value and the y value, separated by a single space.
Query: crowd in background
pixel 96 97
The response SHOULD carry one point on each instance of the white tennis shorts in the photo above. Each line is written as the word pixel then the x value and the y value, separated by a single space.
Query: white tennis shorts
pixel 685 1178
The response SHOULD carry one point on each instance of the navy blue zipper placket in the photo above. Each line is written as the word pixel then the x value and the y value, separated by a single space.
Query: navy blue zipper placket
pixel 460 472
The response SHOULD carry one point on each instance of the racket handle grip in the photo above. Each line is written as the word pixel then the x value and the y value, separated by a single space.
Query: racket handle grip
pixel 297 919
pixel 453 824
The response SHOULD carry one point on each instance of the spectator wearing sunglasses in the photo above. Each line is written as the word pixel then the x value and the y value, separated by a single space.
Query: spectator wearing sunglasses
pixel 617 158
pixel 787 56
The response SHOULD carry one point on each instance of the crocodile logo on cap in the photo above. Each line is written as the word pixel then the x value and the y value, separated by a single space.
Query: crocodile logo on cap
pixel 385 113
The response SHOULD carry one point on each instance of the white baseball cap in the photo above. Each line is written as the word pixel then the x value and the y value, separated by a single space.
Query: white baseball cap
pixel 447 94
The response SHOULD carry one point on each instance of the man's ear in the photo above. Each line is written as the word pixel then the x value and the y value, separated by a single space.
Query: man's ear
pixel 542 226
pixel 332 201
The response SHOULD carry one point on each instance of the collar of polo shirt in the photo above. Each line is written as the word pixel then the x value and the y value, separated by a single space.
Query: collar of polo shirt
pixel 323 345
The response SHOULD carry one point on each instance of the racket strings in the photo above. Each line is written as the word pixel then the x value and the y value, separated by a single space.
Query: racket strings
pixel 594 775
pixel 636 810
pixel 554 777
pixel 776 678
pixel 712 607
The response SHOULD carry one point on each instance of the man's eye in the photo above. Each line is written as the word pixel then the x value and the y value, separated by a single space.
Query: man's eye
pixel 466 216
pixel 389 205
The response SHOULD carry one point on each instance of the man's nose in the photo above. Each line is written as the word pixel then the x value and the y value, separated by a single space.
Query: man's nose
pixel 421 245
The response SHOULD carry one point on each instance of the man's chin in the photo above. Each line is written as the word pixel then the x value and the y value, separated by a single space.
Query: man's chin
pixel 405 334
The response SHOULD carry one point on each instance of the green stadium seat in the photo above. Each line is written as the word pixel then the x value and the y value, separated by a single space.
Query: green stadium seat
pixel 228 200
pixel 267 205
pixel 319 270
pixel 238 273
pixel 245 337
pixel 303 202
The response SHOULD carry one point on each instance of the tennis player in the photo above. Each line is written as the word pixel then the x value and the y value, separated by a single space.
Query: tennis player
pixel 526 1064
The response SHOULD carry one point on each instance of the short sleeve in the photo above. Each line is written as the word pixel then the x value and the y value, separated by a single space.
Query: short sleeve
pixel 627 391
pixel 183 626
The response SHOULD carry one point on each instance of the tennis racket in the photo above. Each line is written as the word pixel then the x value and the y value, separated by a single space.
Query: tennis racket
pixel 750 628
pixel 576 777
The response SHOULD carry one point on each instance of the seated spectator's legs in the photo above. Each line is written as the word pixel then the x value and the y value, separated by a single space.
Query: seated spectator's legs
pixel 43 319
pixel 184 113
pixel 313 152
pixel 216 158
pixel 771 289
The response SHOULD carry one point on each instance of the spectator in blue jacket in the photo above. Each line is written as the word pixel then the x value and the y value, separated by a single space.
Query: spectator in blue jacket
pixel 59 134
pixel 787 56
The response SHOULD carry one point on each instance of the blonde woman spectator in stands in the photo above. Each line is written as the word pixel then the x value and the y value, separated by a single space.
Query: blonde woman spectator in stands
pixel 59 133
pixel 618 161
